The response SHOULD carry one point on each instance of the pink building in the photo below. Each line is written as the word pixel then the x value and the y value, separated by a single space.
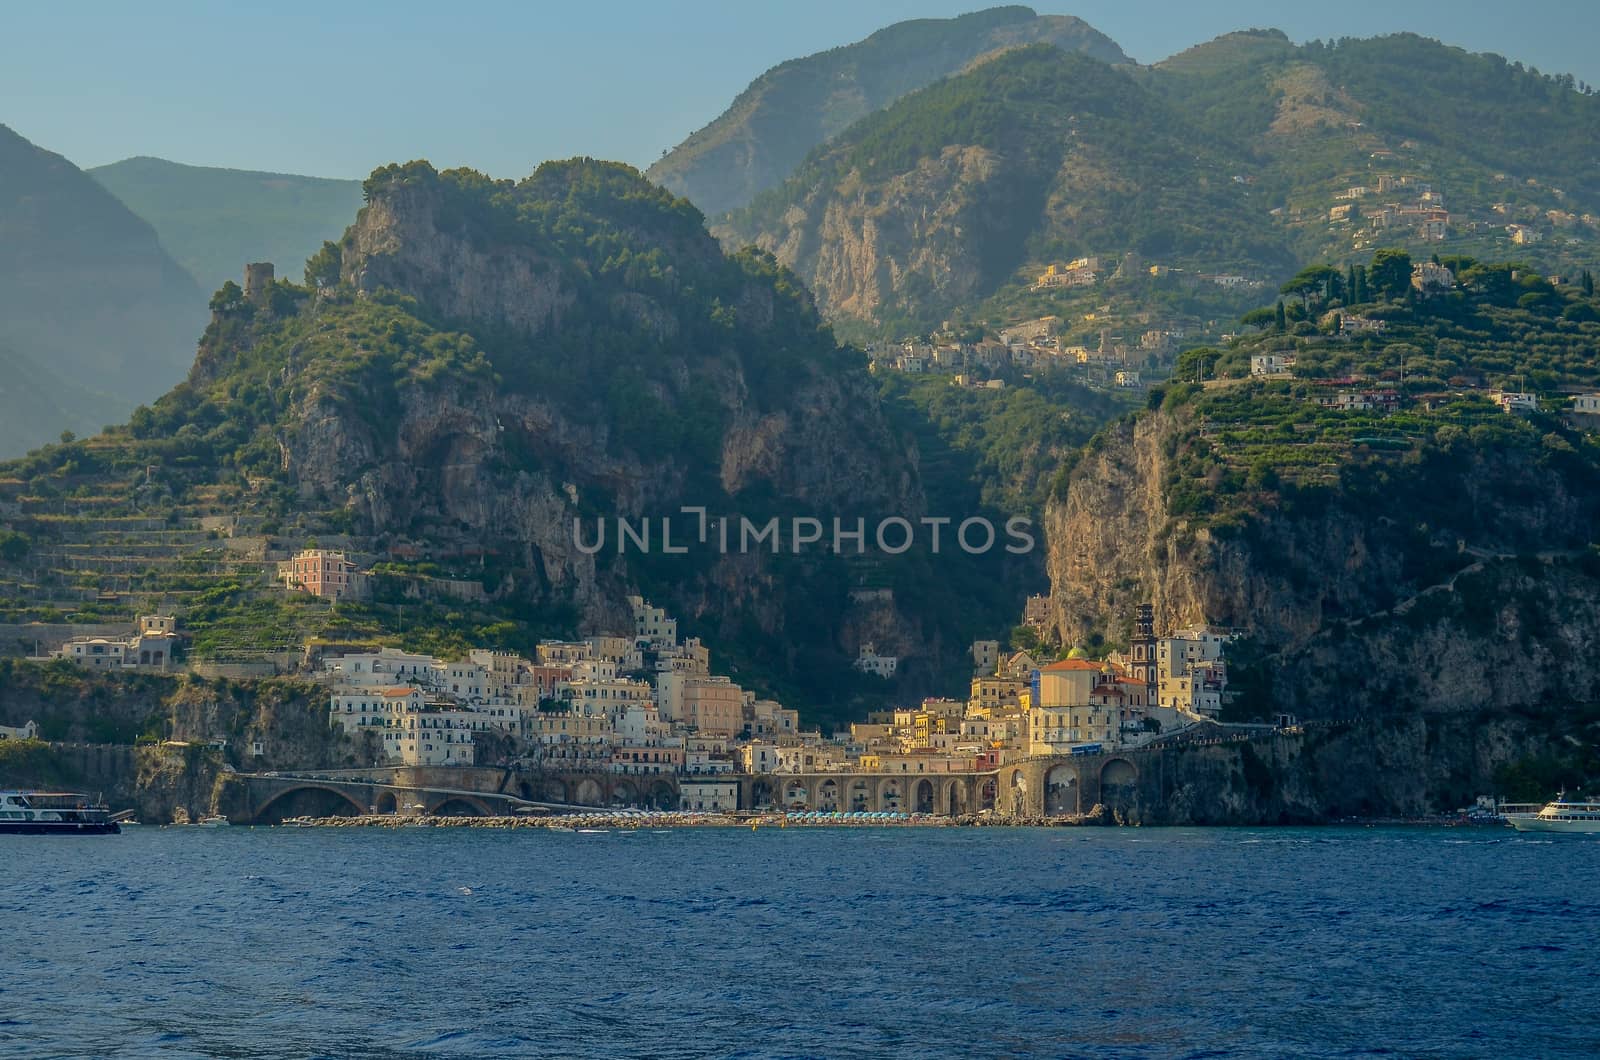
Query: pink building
pixel 321 572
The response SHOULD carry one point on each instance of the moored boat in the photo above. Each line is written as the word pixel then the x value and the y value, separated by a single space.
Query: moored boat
pixel 53 813
pixel 1562 815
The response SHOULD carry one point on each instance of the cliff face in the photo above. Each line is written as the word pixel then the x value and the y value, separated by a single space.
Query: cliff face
pixel 939 229
pixel 790 109
pixel 1356 602
pixel 1390 767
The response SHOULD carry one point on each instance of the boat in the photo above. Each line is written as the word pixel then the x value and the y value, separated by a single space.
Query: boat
pixel 213 821
pixel 54 813
pixel 1562 815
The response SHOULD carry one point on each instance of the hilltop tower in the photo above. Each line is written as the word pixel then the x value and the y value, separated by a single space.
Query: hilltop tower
pixel 258 276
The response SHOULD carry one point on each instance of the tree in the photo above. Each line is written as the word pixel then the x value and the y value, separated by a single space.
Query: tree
pixel 323 267
pixel 1197 363
pixel 1587 282
pixel 1280 318
pixel 229 297
pixel 1390 274
pixel 1259 318
pixel 67 437
pixel 1314 282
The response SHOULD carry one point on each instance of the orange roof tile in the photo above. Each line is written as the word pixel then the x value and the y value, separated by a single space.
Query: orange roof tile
pixel 1073 664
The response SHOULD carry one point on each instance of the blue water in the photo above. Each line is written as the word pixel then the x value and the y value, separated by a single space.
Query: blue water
pixel 863 943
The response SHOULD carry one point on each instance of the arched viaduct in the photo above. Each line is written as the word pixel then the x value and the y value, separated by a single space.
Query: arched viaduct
pixel 1029 787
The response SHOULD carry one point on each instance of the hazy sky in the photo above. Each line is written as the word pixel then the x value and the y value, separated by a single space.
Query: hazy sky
pixel 334 89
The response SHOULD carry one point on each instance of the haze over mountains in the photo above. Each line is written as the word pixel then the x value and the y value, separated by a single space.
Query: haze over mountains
pixel 214 220
pixel 95 316
pixel 931 172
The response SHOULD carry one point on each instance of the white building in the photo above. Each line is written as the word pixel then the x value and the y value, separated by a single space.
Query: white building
pixel 708 796
pixel 409 730
pixel 1271 363
pixel 1510 401
pixel 651 626
pixel 870 662
pixel 29 731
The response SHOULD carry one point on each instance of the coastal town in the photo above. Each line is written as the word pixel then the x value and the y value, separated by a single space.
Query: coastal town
pixel 646 702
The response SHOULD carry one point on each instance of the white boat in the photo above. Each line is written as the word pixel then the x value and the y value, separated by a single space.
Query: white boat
pixel 1562 815
pixel 53 813
pixel 214 821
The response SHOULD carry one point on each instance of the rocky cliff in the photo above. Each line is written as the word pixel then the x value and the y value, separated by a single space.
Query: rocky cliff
pixel 1389 767
pixel 760 139
pixel 1453 579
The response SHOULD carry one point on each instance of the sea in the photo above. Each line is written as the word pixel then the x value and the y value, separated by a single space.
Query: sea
pixel 800 942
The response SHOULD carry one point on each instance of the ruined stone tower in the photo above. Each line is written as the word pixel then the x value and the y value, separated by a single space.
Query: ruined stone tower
pixel 257 281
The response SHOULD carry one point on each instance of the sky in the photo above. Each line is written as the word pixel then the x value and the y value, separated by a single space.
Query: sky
pixel 336 89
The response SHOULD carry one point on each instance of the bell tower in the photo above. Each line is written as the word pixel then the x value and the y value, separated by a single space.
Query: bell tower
pixel 1143 648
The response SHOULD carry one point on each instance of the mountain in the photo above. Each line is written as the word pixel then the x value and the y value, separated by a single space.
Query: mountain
pixel 1222 165
pixel 1388 538
pixel 36 406
pixel 94 315
pixel 757 142
pixel 477 365
pixel 214 220
pixel 1036 155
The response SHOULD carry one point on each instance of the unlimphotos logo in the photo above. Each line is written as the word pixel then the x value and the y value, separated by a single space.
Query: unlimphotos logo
pixel 738 534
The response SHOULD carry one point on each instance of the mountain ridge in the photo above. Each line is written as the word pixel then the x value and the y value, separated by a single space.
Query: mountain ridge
pixel 800 103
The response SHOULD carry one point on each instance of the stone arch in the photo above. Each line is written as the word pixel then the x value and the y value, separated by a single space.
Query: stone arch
pixel 308 800
pixel 796 795
pixel 663 796
pixel 460 806
pixel 388 803
pixel 955 798
pixel 858 798
pixel 1118 773
pixel 1061 791
pixel 922 796
pixel 891 795
pixel 554 790
pixel 623 793
pixel 988 793
pixel 525 789
pixel 828 798
pixel 761 794
pixel 589 793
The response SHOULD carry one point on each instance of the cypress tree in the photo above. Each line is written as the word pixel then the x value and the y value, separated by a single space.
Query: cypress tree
pixel 1282 317
pixel 1588 283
